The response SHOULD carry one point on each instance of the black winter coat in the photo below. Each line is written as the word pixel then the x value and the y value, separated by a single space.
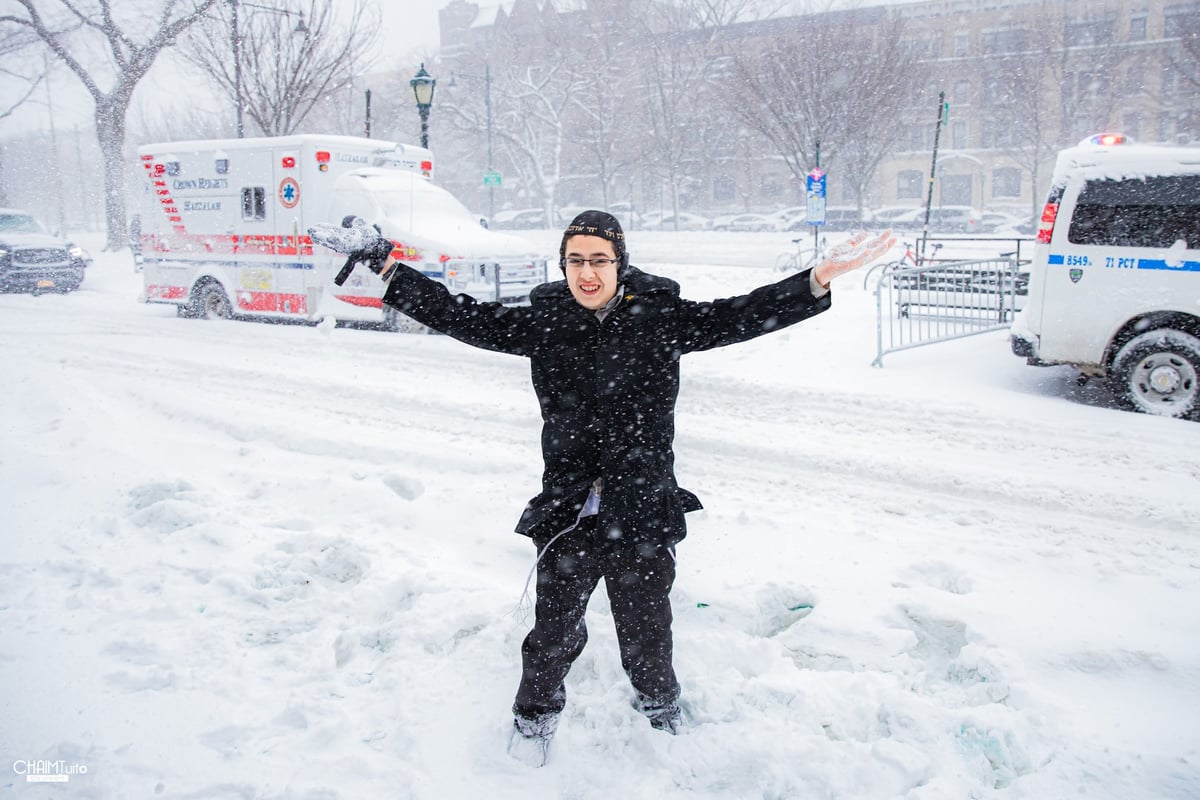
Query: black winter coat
pixel 607 389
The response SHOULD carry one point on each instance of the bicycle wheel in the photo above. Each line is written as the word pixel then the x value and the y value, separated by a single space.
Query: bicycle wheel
pixel 787 262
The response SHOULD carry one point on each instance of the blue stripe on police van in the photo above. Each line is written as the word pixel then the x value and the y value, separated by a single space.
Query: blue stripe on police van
pixel 1158 263
pixel 1055 259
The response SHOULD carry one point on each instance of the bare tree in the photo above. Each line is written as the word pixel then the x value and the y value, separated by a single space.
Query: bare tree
pixel 1187 59
pixel 677 62
pixel 536 73
pixel 285 70
pixel 74 35
pixel 838 81
pixel 1183 59
pixel 14 42
pixel 1049 86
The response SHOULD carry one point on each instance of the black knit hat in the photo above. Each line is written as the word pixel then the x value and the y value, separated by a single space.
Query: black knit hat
pixel 595 223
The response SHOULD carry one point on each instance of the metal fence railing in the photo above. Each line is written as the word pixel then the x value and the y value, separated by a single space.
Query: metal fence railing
pixel 920 305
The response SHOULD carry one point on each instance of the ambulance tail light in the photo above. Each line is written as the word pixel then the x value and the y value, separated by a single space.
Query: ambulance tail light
pixel 427 168
pixel 322 157
pixel 288 162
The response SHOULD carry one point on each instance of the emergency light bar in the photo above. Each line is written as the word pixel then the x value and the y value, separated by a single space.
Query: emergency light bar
pixel 1107 139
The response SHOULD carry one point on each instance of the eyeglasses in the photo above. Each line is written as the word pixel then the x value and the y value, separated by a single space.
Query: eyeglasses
pixel 597 263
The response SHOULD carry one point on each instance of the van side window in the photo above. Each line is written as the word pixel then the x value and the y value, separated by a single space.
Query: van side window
pixel 1138 212
pixel 254 202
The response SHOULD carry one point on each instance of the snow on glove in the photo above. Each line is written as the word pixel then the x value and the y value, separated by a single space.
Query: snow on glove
pixel 859 249
pixel 359 242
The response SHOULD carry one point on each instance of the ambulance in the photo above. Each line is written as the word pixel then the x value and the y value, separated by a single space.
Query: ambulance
pixel 1114 286
pixel 223 229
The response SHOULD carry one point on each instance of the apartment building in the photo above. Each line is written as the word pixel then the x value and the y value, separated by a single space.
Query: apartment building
pixel 1021 79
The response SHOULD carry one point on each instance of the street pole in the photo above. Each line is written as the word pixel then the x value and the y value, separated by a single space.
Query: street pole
pixel 237 67
pixel 368 127
pixel 817 228
pixel 487 99
pixel 937 134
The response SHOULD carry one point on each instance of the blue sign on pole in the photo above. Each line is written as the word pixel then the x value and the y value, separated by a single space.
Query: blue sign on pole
pixel 815 184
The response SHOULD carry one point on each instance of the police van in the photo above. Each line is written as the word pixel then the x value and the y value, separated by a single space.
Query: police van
pixel 1115 281
pixel 223 228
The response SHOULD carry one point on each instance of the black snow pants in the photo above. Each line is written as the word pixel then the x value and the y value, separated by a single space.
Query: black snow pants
pixel 638 581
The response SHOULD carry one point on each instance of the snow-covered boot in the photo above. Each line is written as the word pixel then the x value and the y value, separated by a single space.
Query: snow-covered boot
pixel 663 716
pixel 530 742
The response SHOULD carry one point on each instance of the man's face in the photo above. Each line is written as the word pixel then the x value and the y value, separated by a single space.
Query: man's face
pixel 591 286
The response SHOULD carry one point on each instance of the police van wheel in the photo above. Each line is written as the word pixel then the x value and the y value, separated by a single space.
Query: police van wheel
pixel 1158 372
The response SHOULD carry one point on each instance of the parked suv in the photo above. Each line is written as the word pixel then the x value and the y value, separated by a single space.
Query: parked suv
pixel 1116 273
pixel 944 219
pixel 34 260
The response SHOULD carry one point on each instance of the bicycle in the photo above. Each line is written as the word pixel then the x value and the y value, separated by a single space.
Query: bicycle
pixel 802 257
pixel 909 259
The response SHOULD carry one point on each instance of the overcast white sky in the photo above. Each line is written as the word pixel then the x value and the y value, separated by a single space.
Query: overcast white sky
pixel 410 30
pixel 411 25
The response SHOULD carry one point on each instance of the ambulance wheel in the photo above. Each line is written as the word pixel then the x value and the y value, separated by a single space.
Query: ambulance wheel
pixel 209 301
pixel 1158 372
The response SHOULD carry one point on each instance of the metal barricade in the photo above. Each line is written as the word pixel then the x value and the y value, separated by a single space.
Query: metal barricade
pixel 945 301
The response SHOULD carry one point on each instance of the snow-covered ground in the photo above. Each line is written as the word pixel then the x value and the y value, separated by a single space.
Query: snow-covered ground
pixel 246 561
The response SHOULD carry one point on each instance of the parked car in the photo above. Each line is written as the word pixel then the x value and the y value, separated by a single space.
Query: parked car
pixel 683 221
pixel 784 217
pixel 886 217
pixel 520 218
pixel 743 222
pixel 32 259
pixel 837 218
pixel 946 219
pixel 993 221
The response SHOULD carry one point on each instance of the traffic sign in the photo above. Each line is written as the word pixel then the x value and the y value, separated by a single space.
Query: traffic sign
pixel 815 184
pixel 491 178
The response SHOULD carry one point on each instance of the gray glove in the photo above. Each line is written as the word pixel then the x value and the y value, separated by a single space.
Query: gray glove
pixel 359 242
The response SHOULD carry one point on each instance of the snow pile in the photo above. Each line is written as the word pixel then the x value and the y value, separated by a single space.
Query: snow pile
pixel 252 561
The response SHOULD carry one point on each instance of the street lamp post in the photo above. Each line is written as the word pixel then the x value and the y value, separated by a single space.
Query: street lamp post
pixel 422 86
pixel 236 35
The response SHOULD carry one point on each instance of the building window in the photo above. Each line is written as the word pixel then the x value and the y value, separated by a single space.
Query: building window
pixel 1089 30
pixel 958 135
pixel 1168 83
pixel 957 190
pixel 1010 40
pixel 1131 124
pixel 1006 182
pixel 724 189
pixel 1137 28
pixel 962 92
pixel 908 184
pixel 1181 20
pixel 1135 80
pixel 962 43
